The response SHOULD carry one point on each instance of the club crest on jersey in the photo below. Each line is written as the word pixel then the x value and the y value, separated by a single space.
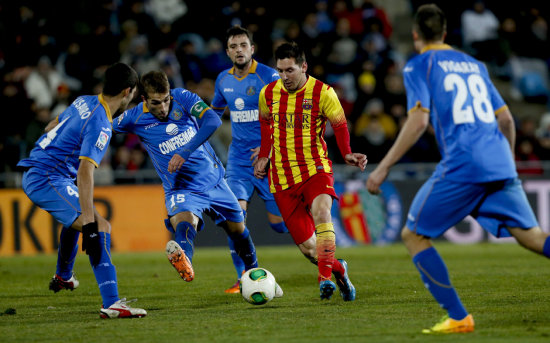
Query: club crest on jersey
pixel 251 90
pixel 102 140
pixel 172 129
pixel 177 114
pixel 307 104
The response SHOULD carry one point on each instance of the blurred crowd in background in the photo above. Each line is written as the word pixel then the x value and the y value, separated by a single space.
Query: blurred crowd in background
pixel 51 52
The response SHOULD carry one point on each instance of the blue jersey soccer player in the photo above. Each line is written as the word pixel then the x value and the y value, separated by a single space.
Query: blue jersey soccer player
pixel 167 122
pixel 238 89
pixel 476 175
pixel 71 148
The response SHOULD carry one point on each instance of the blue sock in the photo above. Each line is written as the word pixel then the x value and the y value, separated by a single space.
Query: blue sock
pixel 546 248
pixel 279 227
pixel 436 279
pixel 185 236
pixel 105 272
pixel 245 248
pixel 66 252
pixel 237 261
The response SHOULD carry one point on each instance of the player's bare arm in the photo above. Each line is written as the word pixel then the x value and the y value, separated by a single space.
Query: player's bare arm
pixel 51 125
pixel 85 183
pixel 413 129
pixel 507 127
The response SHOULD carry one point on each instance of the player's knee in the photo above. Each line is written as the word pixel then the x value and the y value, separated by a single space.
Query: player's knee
pixel 321 215
pixel 103 225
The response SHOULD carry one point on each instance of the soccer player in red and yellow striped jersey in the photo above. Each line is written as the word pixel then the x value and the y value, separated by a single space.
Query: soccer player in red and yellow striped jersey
pixel 293 115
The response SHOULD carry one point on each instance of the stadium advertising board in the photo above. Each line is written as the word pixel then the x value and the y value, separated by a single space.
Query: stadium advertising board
pixel 137 217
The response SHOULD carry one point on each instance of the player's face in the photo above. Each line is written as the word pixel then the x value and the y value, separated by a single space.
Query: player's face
pixel 239 50
pixel 159 105
pixel 292 74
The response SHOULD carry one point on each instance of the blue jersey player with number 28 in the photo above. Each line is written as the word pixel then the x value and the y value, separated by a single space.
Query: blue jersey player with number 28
pixel 174 125
pixel 238 88
pixel 476 176
pixel 71 148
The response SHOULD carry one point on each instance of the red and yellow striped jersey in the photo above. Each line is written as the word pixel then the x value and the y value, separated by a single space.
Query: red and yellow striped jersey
pixel 298 122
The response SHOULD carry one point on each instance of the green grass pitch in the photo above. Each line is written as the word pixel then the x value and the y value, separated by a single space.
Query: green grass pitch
pixel 505 287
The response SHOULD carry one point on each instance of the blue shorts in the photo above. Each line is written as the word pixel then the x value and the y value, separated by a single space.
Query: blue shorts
pixel 218 202
pixel 441 204
pixel 243 183
pixel 53 193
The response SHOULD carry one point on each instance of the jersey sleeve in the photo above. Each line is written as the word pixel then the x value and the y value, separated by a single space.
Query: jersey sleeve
pixel 331 107
pixel 123 123
pixel 418 95
pixel 262 105
pixel 95 140
pixel 219 103
pixel 190 102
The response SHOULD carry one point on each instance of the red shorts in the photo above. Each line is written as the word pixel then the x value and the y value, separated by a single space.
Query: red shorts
pixel 295 204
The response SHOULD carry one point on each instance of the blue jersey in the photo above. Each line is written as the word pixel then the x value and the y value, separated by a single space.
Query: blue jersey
pixel 202 170
pixel 83 132
pixel 462 101
pixel 241 96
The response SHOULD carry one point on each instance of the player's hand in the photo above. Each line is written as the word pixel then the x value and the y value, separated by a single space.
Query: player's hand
pixel 175 163
pixel 356 159
pixel 260 167
pixel 376 178
pixel 254 156
pixel 91 243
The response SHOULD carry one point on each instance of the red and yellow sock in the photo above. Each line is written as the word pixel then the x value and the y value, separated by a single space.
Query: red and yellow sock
pixel 326 247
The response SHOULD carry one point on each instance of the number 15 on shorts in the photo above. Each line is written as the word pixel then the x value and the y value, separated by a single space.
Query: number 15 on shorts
pixel 178 198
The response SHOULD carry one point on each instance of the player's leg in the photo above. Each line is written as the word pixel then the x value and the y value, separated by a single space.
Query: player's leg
pixel 244 247
pixel 237 261
pixel 507 206
pixel 59 197
pixel 180 251
pixel 533 239
pixel 319 195
pixel 452 202
pixel 66 255
pixel 229 215
pixel 239 181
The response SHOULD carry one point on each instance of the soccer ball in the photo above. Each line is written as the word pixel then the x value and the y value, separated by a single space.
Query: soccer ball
pixel 258 286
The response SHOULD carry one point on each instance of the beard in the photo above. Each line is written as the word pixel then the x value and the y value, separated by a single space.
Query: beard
pixel 242 65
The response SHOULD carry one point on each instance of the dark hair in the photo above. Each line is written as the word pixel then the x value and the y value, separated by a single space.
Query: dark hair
pixel 237 30
pixel 154 82
pixel 290 50
pixel 117 78
pixel 430 22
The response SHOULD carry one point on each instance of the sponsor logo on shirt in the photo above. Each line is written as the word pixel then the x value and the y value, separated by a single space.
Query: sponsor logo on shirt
pixel 239 103
pixel 102 140
pixel 408 69
pixel 172 129
pixel 106 129
pixel 227 90
pixel 176 142
pixel 244 116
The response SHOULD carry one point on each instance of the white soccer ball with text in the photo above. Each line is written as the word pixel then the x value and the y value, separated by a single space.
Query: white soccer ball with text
pixel 258 286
